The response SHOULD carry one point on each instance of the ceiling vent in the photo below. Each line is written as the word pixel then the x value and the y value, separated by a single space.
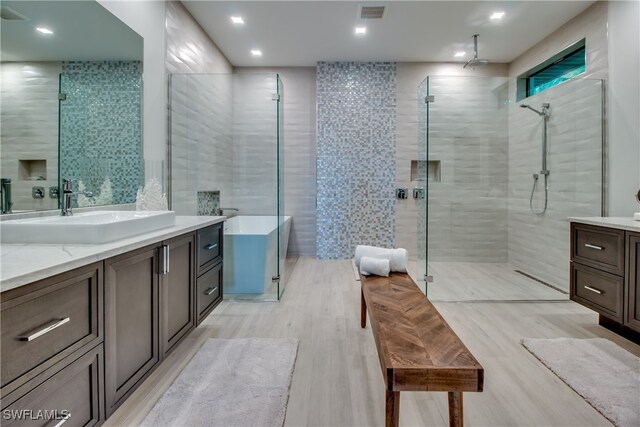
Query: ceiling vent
pixel 371 12
pixel 8 14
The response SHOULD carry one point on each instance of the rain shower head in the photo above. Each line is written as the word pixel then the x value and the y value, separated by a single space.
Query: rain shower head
pixel 475 62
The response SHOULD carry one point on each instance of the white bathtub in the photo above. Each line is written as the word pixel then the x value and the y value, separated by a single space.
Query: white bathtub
pixel 250 252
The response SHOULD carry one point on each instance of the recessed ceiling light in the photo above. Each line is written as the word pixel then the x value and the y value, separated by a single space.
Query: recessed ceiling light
pixel 497 15
pixel 237 20
pixel 44 30
pixel 460 54
pixel 256 52
pixel 360 31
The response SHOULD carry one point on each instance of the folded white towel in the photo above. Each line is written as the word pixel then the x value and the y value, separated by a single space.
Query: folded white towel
pixel 378 267
pixel 398 258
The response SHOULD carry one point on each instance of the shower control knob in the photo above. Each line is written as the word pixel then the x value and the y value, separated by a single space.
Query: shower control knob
pixel 401 193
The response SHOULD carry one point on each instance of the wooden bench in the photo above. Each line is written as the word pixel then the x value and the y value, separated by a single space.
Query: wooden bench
pixel 418 351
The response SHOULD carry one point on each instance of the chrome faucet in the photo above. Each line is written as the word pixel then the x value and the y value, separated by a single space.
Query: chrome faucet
pixel 67 192
pixel 220 211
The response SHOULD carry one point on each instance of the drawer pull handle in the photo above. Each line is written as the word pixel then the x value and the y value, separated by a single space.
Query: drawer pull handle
pixel 210 246
pixel 597 248
pixel 64 420
pixel 210 291
pixel 589 288
pixel 46 329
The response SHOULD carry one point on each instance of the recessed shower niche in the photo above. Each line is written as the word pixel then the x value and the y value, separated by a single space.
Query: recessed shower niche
pixel 433 170
pixel 32 170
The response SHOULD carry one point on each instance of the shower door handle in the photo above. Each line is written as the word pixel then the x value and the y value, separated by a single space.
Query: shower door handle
pixel 598 248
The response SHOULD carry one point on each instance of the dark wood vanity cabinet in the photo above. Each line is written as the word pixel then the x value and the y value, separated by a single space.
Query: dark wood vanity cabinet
pixel 84 340
pixel 604 275
pixel 209 284
pixel 52 334
pixel 632 313
pixel 178 291
pixel 132 321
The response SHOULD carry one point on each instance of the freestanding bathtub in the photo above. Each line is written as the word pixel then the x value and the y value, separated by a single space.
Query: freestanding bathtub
pixel 251 252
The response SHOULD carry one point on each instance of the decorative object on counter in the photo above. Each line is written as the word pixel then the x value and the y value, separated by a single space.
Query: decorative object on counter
pixel 106 194
pixel 83 196
pixel 636 215
pixel 230 382
pixel 604 374
pixel 398 258
pixel 151 197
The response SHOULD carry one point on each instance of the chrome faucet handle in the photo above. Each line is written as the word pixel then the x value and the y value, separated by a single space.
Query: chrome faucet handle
pixel 67 192
pixel 67 185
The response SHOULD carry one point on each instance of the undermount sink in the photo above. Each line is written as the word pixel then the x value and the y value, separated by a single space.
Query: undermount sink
pixel 86 227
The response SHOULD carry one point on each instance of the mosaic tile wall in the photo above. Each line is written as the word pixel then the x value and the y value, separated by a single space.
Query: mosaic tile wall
pixel 208 202
pixel 356 138
pixel 101 126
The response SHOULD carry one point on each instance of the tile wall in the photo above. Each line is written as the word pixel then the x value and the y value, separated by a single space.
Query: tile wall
pixel 201 139
pixel 356 118
pixel 539 244
pixel 299 103
pixel 468 136
pixel 29 128
pixel 200 108
pixel 101 128
pixel 255 144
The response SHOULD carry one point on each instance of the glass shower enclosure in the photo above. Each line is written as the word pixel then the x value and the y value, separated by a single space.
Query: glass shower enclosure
pixel 227 156
pixel 484 231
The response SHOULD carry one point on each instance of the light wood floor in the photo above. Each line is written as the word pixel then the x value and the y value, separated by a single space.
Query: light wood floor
pixel 337 379
pixel 472 281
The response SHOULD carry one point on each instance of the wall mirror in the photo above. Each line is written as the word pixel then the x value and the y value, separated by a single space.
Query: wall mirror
pixel 70 104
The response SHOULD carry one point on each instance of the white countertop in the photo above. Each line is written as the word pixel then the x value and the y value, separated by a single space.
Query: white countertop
pixel 21 264
pixel 621 223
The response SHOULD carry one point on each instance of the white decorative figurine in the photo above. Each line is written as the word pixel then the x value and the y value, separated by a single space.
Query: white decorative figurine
pixel 151 197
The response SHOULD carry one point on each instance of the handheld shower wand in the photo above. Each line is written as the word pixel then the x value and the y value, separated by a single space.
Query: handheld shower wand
pixel 545 114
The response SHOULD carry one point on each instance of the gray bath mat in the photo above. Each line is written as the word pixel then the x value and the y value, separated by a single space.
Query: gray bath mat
pixel 604 374
pixel 230 382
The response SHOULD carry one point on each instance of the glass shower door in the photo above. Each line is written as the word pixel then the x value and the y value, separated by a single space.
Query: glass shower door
pixel 422 165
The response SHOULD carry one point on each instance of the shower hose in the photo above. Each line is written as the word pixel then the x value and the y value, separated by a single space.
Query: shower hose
pixel 533 190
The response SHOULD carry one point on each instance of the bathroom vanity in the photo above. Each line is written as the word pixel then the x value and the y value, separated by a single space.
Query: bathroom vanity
pixel 605 256
pixel 84 325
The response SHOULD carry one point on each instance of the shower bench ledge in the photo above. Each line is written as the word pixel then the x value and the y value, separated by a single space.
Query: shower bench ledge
pixel 418 350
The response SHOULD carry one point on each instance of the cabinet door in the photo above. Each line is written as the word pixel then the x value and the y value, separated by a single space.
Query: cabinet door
pixel 131 322
pixel 46 321
pixel 632 317
pixel 209 291
pixel 178 287
pixel 72 397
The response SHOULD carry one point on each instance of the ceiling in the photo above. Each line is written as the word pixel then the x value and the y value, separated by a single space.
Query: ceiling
pixel 300 33
pixel 83 30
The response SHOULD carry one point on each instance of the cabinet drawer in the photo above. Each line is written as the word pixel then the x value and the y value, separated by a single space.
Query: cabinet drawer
pixel 73 392
pixel 209 290
pixel 49 320
pixel 598 247
pixel 209 246
pixel 600 291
